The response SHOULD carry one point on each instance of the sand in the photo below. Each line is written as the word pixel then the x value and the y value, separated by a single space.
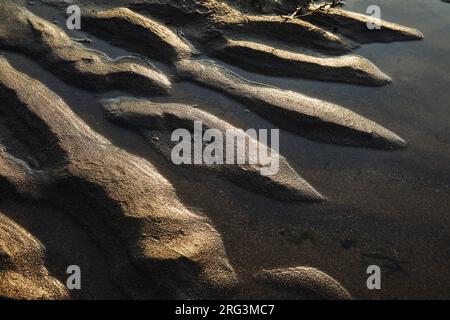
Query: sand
pixel 86 178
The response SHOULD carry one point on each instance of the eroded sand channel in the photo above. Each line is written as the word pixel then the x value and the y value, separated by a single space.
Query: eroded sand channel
pixel 383 207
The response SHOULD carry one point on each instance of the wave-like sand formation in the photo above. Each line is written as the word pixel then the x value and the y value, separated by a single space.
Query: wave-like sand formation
pixel 53 158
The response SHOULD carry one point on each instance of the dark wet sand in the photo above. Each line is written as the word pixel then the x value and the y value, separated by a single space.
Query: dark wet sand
pixel 386 208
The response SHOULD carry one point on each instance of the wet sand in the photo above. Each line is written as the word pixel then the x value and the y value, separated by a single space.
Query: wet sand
pixel 388 208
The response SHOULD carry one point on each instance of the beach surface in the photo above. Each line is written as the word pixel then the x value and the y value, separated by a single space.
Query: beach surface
pixel 86 178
